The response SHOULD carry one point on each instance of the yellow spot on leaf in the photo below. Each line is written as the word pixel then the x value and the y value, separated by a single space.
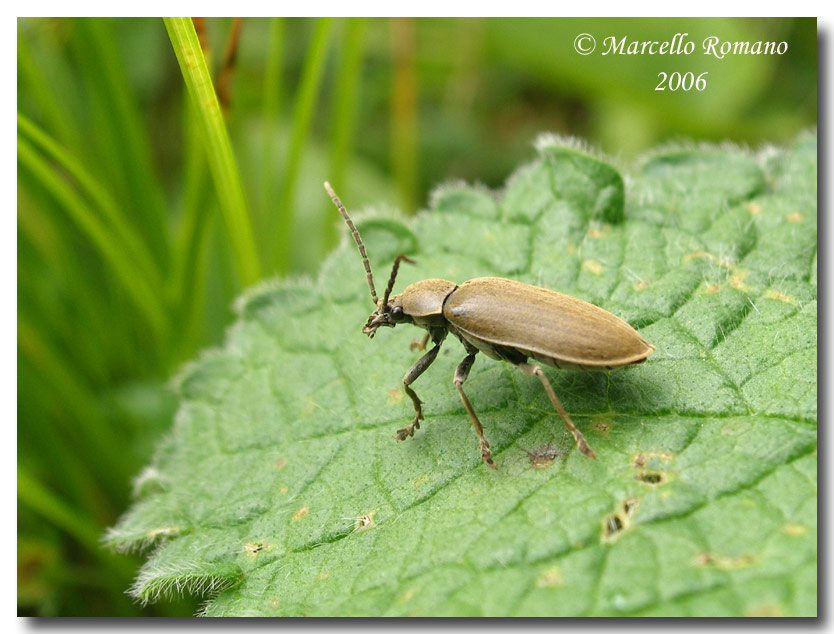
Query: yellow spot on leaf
pixel 593 266
pixel 643 459
pixel 598 232
pixel 771 294
pixel 722 562
pixel 737 280
pixel 700 253
pixel 322 575
pixel 766 610
pixel 754 208
pixel 794 530
pixel 164 531
pixel 302 512
pixel 395 395
pixel 308 408
pixel 795 217
pixel 640 286
pixel 408 596
pixel 550 578
pixel 281 463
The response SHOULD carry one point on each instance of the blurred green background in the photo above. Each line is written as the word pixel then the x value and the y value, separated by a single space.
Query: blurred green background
pixel 136 229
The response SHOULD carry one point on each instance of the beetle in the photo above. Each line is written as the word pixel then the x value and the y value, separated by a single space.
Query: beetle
pixel 506 320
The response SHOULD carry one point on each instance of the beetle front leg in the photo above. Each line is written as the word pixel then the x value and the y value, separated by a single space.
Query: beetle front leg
pixel 461 375
pixel 416 370
pixel 533 370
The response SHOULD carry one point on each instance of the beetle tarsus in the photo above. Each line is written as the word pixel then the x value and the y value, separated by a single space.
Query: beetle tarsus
pixel 407 432
pixel 583 445
pixel 486 454
pixel 530 369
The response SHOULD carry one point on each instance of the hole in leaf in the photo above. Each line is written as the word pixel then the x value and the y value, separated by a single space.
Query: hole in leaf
pixel 652 478
pixel 651 467
pixel 615 524
pixel 253 548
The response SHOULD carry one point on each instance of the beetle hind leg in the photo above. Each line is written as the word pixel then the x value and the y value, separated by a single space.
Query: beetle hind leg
pixel 416 370
pixel 461 374
pixel 529 369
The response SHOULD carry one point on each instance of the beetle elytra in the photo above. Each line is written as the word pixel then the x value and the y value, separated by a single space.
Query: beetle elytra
pixel 506 320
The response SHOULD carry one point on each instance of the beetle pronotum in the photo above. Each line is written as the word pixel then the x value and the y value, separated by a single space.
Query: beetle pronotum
pixel 506 320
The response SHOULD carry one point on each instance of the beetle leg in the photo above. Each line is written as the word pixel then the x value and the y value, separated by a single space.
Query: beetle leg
pixel 529 369
pixel 461 374
pixel 416 370
pixel 419 345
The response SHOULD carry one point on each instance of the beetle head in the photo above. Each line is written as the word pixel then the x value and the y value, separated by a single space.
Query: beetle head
pixel 388 315
pixel 389 310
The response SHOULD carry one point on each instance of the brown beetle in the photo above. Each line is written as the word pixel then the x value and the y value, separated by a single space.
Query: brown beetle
pixel 507 321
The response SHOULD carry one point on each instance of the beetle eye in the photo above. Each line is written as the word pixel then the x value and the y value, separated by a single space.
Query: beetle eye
pixel 397 311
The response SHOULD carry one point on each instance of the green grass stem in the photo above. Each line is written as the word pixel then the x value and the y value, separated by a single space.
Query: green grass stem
pixel 120 131
pixel 129 239
pixel 134 282
pixel 271 113
pixel 345 110
pixel 280 227
pixel 218 148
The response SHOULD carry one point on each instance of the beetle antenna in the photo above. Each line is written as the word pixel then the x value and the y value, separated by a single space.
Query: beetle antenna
pixel 399 258
pixel 358 239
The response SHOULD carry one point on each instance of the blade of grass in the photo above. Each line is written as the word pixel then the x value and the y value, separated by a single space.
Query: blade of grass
pixel 130 239
pixel 89 425
pixel 271 114
pixel 37 84
pixel 38 498
pixel 280 225
pixel 120 129
pixel 41 425
pixel 190 277
pixel 404 159
pixel 218 147
pixel 348 76
pixel 98 314
pixel 45 253
pixel 132 280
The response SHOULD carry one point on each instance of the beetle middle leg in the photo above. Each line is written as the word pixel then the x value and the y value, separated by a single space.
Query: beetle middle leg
pixel 529 369
pixel 419 345
pixel 416 370
pixel 461 373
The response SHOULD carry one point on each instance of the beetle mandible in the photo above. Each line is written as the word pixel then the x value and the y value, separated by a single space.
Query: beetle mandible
pixel 506 320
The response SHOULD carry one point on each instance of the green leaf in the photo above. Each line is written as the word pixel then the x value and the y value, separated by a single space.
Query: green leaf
pixel 281 490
